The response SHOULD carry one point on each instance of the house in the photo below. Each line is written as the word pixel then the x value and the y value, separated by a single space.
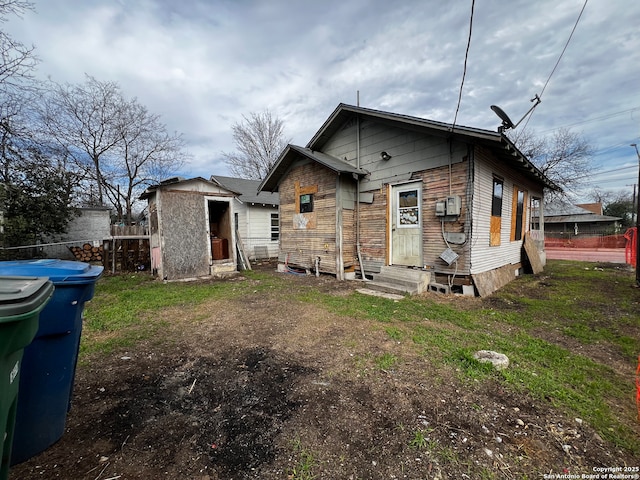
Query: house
pixel 256 216
pixel 396 196
pixel 191 228
pixel 583 219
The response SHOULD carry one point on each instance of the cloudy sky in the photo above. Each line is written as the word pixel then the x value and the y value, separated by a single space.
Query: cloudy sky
pixel 202 64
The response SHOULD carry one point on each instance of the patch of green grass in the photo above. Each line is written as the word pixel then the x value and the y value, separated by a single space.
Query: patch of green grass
pixel 386 361
pixel 303 470
pixel 418 441
pixel 124 309
pixel 394 333
pixel 469 366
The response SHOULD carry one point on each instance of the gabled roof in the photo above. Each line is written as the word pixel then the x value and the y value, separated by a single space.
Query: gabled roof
pixel 247 190
pixel 293 152
pixel 495 141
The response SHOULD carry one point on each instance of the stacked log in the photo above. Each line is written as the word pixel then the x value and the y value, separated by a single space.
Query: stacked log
pixel 88 253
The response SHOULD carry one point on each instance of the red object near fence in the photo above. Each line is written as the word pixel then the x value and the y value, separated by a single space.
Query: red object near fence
pixel 638 388
pixel 631 249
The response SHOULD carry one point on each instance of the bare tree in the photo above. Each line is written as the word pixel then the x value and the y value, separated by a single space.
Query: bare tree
pixel 146 154
pixel 259 140
pixel 564 157
pixel 17 61
pixel 119 144
pixel 79 118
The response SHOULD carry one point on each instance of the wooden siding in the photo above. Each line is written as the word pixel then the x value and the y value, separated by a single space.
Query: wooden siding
pixel 374 229
pixel 485 257
pixel 301 247
pixel 435 188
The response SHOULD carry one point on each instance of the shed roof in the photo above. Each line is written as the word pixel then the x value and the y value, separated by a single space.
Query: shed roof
pixel 175 181
pixel 247 190
pixel 495 141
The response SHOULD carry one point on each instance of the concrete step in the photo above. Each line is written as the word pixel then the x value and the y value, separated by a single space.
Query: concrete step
pixel 401 279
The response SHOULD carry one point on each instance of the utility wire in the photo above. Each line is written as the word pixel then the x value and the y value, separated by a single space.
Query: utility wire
pixel 464 70
pixel 557 63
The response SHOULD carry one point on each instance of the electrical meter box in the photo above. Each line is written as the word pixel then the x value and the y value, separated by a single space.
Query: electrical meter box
pixel 454 205
pixel 450 206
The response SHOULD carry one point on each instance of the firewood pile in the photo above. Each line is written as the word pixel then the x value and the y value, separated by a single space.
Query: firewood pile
pixel 88 253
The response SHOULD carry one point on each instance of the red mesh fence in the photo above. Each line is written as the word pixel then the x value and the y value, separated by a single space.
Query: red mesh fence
pixel 604 241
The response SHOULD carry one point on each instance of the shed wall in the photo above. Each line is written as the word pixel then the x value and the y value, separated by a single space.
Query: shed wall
pixel 185 242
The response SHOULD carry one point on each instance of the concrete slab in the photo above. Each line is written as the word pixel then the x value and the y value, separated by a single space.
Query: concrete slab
pixel 376 293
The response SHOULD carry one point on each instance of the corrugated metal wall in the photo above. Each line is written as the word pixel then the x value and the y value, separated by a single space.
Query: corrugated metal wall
pixel 485 257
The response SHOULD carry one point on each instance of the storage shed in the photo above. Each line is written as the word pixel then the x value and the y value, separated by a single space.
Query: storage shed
pixel 191 228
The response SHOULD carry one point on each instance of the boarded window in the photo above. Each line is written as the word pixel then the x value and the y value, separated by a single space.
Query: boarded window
pixel 496 212
pixel 275 227
pixel 517 215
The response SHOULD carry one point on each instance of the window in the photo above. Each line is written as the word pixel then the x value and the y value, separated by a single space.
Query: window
pixel 534 214
pixel 496 203
pixel 496 212
pixel 275 227
pixel 517 213
pixel 306 203
pixel 408 209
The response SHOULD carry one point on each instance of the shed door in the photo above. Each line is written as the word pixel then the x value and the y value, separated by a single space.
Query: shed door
pixel 406 224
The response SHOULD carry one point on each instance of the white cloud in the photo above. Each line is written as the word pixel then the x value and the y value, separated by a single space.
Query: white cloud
pixel 203 64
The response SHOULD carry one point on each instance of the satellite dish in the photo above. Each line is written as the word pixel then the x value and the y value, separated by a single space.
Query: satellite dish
pixel 506 121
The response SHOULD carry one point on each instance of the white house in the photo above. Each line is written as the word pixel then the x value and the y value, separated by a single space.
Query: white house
pixel 256 216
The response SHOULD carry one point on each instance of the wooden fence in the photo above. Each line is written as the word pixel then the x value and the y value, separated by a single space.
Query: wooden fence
pixel 127 250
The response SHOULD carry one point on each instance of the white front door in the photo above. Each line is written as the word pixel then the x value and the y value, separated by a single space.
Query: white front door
pixel 406 224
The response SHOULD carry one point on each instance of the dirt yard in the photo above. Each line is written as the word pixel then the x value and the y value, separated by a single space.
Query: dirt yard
pixel 257 388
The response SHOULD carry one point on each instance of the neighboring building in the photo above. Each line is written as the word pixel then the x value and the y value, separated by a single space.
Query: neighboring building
pixel 584 219
pixel 191 228
pixel 92 225
pixel 395 194
pixel 256 216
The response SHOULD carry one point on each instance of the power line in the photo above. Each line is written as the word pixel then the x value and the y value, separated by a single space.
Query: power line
pixel 558 62
pixel 594 119
pixel 464 70
pixel 564 49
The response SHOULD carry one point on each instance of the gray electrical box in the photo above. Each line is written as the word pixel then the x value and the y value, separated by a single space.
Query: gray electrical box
pixel 454 205
pixel 449 256
pixel 441 208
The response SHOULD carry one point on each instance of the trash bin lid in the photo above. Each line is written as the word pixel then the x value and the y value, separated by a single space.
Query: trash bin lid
pixel 19 295
pixel 58 271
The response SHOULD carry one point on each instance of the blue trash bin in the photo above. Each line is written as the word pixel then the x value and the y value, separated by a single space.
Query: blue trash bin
pixel 49 362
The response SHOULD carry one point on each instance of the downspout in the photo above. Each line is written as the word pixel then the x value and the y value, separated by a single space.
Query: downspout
pixel 362 272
